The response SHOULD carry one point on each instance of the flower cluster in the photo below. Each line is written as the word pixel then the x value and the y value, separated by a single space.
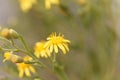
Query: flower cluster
pixel 20 62
pixel 53 43
pixel 44 49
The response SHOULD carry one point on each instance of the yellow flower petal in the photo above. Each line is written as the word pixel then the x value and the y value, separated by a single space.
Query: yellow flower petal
pixel 43 54
pixel 62 48
pixel 27 72
pixel 37 54
pixel 41 50
pixel 21 73
pixel 32 69
pixel 56 49
pixel 47 4
pixel 4 60
pixel 48 53
pixel 55 2
pixel 51 48
pixel 66 41
pixel 66 46
pixel 8 55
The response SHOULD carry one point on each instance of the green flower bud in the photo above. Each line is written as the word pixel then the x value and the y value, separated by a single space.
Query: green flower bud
pixel 5 33
pixel 9 33
pixel 13 34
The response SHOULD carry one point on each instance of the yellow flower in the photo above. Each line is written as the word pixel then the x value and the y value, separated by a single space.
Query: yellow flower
pixel 14 58
pixel 24 68
pixel 40 50
pixel 26 5
pixel 48 3
pixel 54 42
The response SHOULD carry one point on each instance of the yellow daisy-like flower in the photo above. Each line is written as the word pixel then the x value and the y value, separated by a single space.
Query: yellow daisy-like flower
pixel 26 69
pixel 48 3
pixel 40 50
pixel 54 42
pixel 14 58
pixel 26 5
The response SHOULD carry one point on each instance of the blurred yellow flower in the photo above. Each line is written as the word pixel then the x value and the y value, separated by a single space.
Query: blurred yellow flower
pixel 54 42
pixel 26 5
pixel 40 50
pixel 48 3
pixel 24 68
pixel 14 58
pixel 7 56
pixel 82 2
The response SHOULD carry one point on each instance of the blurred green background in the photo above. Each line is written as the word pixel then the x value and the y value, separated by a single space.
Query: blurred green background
pixel 92 27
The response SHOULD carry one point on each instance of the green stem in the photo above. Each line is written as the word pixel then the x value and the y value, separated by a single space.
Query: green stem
pixel 4 49
pixel 24 43
pixel 54 57
pixel 13 44
pixel 6 40
pixel 26 47
pixel 58 69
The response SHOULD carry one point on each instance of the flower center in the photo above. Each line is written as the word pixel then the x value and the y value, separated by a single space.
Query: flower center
pixel 23 65
pixel 56 40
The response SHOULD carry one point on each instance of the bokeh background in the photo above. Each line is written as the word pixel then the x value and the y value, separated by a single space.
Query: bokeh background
pixel 92 26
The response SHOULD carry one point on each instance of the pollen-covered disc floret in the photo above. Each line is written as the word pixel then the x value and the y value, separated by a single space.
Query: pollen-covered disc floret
pixel 24 68
pixel 55 41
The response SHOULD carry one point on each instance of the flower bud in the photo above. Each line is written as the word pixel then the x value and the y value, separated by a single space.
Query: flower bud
pixel 16 59
pixel 5 33
pixel 9 33
pixel 13 34
pixel 28 60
